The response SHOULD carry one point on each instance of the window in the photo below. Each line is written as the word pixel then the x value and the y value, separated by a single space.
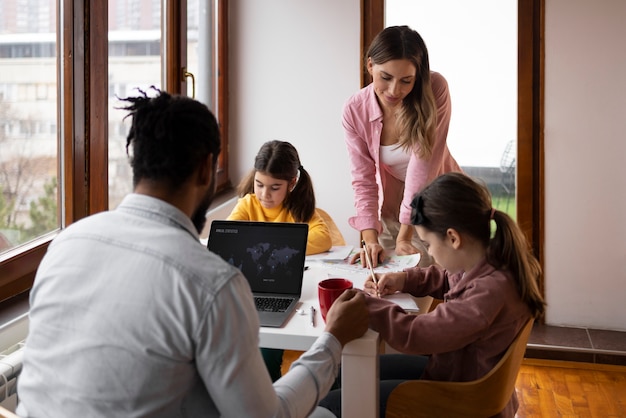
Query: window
pixel 66 122
pixel 28 107
pixel 481 70
pixel 529 158
pixel 134 62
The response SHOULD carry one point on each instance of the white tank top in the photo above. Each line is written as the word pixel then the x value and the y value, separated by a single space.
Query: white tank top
pixel 396 160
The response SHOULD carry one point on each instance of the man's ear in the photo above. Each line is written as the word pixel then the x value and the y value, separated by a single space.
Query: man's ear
pixel 454 238
pixel 206 171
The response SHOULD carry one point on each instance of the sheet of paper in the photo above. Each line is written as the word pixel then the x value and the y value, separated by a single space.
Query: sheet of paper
pixel 405 301
pixel 358 279
pixel 391 263
pixel 335 253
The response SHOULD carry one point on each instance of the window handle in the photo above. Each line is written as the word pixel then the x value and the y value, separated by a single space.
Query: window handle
pixel 187 74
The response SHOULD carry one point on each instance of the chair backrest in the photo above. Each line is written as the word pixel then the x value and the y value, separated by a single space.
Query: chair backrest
pixel 5 413
pixel 483 397
pixel 335 233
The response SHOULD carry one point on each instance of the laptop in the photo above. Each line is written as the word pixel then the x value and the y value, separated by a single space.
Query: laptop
pixel 271 256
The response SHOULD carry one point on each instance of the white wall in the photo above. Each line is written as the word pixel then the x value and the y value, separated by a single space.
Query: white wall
pixel 585 178
pixel 294 63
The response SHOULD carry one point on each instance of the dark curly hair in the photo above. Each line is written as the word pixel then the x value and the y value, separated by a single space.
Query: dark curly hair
pixel 170 136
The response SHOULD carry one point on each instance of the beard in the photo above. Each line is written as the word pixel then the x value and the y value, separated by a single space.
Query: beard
pixel 199 215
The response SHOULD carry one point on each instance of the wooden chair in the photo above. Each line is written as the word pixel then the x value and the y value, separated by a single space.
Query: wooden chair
pixel 484 397
pixel 335 233
pixel 5 413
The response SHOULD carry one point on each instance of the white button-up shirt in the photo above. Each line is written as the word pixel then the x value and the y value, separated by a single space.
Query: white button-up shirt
pixel 132 316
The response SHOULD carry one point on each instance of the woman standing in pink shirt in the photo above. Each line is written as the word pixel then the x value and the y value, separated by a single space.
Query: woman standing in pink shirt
pixel 395 132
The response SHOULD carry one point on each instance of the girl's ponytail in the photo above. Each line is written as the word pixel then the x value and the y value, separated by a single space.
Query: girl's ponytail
pixel 454 200
pixel 300 201
pixel 508 250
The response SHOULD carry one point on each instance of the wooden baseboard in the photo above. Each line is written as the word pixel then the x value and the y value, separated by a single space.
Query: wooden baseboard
pixel 572 365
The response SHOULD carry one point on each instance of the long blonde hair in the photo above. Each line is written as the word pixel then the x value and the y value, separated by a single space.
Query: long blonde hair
pixel 416 120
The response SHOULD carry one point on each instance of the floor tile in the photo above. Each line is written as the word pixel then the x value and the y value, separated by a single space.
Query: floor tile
pixel 559 336
pixel 608 340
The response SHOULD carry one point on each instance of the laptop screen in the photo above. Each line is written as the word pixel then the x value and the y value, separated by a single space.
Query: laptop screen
pixel 270 255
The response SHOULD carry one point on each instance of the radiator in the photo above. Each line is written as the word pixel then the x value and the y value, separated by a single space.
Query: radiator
pixel 10 368
pixel 12 336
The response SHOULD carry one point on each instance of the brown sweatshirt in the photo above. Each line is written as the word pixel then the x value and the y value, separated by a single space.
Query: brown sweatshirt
pixel 467 334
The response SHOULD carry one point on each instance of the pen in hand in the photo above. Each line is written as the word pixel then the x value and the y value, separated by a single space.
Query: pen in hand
pixel 370 265
pixel 312 316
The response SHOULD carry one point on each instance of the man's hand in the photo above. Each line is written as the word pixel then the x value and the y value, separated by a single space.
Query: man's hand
pixel 348 317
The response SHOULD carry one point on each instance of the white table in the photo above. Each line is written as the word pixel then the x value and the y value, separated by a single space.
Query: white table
pixel 359 359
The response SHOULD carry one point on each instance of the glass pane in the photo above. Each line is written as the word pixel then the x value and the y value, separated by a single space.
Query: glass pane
pixel 29 160
pixel 201 56
pixel 474 46
pixel 134 63
pixel 202 63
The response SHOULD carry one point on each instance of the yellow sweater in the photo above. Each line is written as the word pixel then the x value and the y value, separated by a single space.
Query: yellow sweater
pixel 249 209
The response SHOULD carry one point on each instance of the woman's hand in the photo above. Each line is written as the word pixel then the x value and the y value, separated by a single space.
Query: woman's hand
pixel 376 254
pixel 404 240
pixel 388 283
pixel 404 247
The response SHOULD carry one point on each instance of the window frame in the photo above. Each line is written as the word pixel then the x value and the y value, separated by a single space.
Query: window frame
pixel 82 58
pixel 83 120
pixel 530 90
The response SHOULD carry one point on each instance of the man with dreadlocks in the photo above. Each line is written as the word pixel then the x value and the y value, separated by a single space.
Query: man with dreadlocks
pixel 131 316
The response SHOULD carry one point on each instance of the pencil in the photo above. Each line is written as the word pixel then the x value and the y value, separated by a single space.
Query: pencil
pixel 369 264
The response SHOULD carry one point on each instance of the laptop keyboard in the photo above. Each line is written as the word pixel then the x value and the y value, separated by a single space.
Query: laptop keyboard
pixel 265 304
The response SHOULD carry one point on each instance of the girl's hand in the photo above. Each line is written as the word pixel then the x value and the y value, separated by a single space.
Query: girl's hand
pixel 405 248
pixel 388 283
pixel 376 253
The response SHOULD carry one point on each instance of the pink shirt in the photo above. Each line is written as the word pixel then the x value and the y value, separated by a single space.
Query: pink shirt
pixel 372 183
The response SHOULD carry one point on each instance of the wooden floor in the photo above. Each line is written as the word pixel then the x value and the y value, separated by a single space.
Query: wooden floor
pixel 552 388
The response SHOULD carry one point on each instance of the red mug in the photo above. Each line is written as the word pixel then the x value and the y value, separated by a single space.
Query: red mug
pixel 329 290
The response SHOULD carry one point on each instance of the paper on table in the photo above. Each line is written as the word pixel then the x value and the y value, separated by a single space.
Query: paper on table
pixel 404 300
pixel 391 263
pixel 336 252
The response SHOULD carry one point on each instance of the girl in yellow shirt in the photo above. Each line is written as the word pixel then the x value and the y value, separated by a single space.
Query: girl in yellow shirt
pixel 279 189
